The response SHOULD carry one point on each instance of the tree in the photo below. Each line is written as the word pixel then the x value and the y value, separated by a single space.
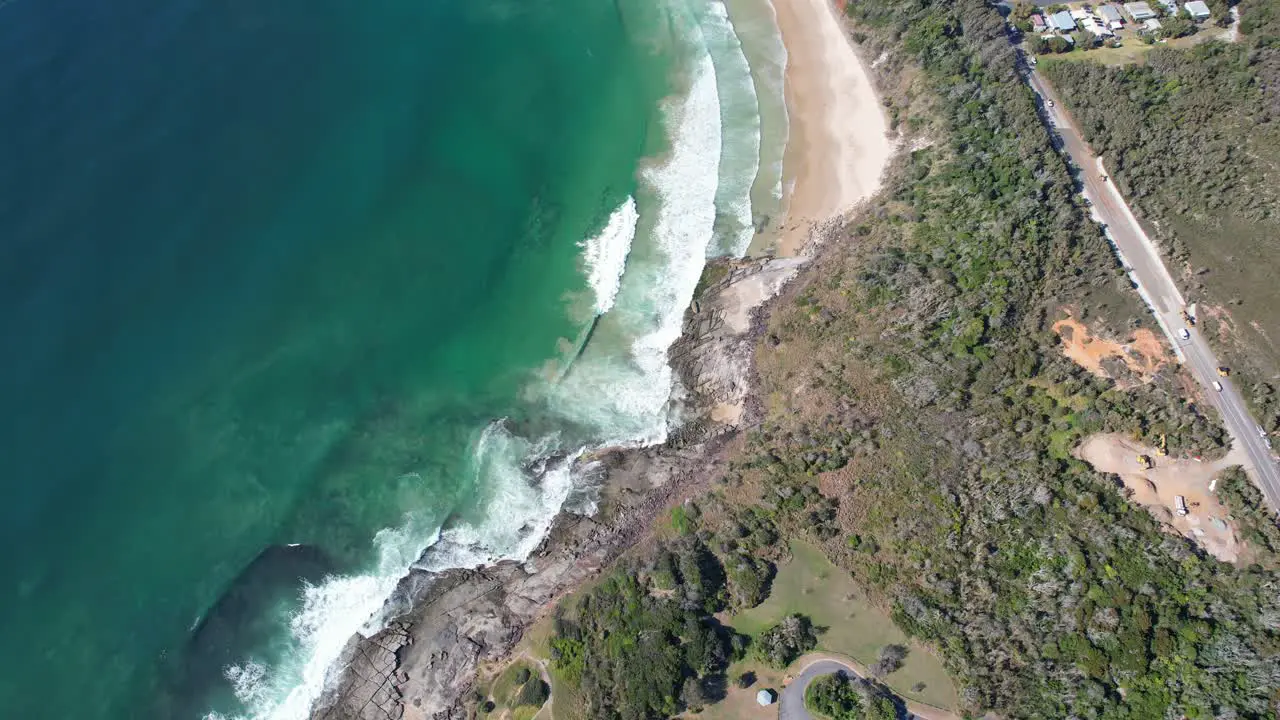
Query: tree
pixel 1176 26
pixel 533 693
pixel 1084 39
pixel 891 657
pixel 1059 44
pixel 692 696
pixel 781 644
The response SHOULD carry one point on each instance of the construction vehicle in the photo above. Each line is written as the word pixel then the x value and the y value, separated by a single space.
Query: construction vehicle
pixel 1224 371
pixel 1188 318
pixel 1180 503
pixel 1164 447
pixel 1144 461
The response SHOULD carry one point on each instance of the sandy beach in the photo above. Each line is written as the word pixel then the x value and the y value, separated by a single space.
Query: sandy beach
pixel 838 147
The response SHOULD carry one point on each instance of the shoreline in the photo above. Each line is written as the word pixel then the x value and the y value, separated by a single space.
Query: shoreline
pixel 448 626
pixel 838 144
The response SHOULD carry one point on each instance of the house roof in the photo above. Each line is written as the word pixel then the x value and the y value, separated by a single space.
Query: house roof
pixel 1062 20
pixel 1197 8
pixel 765 697
pixel 1110 13
pixel 1139 10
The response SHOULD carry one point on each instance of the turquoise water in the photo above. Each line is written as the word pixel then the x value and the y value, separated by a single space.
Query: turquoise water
pixel 286 287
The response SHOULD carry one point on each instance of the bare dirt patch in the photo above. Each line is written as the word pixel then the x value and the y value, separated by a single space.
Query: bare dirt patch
pixel 1144 354
pixel 1208 524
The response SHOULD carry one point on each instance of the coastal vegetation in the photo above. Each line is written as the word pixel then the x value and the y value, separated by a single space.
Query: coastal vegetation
pixel 1257 525
pixel 913 380
pixel 644 643
pixel 840 697
pixel 1192 137
pixel 518 693
pixel 917 427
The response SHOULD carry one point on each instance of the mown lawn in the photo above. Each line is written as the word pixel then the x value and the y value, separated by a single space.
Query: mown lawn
pixel 811 585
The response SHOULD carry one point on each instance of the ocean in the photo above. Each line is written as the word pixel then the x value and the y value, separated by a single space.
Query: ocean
pixel 292 292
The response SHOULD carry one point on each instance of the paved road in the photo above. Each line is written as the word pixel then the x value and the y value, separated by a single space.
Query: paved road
pixel 1141 258
pixel 791 703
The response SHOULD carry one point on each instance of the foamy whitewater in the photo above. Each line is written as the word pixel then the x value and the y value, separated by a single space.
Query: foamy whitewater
pixel 642 267
pixel 740 123
pixel 605 255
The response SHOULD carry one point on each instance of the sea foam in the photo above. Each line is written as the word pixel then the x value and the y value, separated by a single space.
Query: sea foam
pixel 605 254
pixel 520 509
pixel 621 389
pixel 622 384
pixel 740 122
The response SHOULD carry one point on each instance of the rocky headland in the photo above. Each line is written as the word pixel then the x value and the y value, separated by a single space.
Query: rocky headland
pixel 446 625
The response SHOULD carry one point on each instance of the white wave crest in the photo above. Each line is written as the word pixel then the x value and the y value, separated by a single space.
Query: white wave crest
pixel 623 383
pixel 526 491
pixel 740 120
pixel 605 255
pixel 621 389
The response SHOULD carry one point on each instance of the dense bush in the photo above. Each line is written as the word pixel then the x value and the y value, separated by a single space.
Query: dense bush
pixel 781 644
pixel 640 651
pixel 533 693
pixel 840 697
pixel 1255 521
pixel 960 502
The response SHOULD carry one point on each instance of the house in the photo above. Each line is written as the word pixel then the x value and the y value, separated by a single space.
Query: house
pixel 1081 14
pixel 766 697
pixel 1197 9
pixel 1037 23
pixel 1139 11
pixel 1110 15
pixel 1151 25
pixel 1096 28
pixel 1062 22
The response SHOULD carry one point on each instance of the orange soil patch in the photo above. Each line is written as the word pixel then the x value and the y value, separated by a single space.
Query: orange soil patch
pixel 1144 354
pixel 1207 524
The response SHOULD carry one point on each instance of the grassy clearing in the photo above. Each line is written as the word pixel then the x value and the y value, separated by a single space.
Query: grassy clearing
pixel 505 692
pixel 566 700
pixel 810 584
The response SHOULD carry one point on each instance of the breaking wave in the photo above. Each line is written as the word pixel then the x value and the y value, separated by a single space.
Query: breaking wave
pixel 605 255
pixel 740 123
pixel 643 268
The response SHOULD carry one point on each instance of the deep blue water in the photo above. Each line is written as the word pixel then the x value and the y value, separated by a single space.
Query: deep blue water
pixel 266 270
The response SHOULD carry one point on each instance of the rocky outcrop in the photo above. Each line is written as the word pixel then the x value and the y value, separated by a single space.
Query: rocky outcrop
pixel 448 624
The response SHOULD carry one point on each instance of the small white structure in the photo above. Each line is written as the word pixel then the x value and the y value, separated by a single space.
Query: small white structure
pixel 1180 503
pixel 1151 25
pixel 1139 11
pixel 766 697
pixel 1081 14
pixel 1197 9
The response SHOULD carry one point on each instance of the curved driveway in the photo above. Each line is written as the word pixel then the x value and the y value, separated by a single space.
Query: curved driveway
pixel 791 702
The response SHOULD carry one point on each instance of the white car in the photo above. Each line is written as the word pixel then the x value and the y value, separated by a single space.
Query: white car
pixel 1261 433
pixel 1217 386
pixel 1185 334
